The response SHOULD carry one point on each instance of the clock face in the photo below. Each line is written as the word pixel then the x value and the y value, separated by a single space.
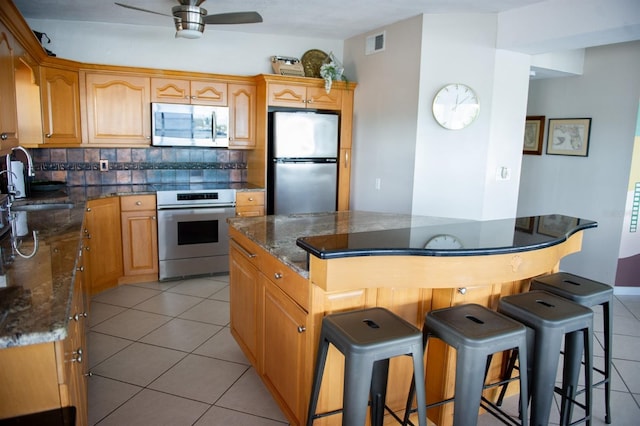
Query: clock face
pixel 444 242
pixel 455 106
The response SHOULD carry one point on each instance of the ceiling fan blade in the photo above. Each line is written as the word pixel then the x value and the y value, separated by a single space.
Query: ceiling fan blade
pixel 233 18
pixel 142 10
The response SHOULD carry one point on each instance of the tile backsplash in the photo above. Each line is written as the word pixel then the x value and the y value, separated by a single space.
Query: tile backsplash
pixel 81 166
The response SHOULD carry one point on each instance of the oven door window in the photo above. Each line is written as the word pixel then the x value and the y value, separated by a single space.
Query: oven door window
pixel 190 233
pixel 198 232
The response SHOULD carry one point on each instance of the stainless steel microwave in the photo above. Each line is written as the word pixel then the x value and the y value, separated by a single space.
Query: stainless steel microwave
pixel 189 125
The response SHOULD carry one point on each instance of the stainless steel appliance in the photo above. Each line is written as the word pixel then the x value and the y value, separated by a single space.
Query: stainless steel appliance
pixel 193 231
pixel 303 172
pixel 189 125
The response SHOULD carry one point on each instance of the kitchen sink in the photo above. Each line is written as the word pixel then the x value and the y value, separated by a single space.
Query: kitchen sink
pixel 41 207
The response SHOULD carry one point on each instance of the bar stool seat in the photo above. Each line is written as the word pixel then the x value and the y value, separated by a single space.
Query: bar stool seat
pixel 368 339
pixel 587 293
pixel 550 319
pixel 476 333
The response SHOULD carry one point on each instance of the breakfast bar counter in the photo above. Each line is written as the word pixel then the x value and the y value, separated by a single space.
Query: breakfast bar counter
pixel 288 272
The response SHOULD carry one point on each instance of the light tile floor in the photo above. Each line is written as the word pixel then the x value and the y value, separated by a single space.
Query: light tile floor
pixel 161 354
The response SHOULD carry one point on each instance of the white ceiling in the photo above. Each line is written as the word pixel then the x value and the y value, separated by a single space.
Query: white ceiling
pixel 333 19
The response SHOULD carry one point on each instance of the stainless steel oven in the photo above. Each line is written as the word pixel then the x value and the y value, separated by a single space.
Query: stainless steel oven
pixel 193 236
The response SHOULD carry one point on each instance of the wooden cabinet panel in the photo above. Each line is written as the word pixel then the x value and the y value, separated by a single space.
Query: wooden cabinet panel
pixel 103 237
pixel 245 296
pixel 285 354
pixel 344 179
pixel 117 109
pixel 242 116
pixel 139 238
pixel 8 106
pixel 197 92
pixel 60 96
pixel 250 203
pixel 208 93
pixel 293 96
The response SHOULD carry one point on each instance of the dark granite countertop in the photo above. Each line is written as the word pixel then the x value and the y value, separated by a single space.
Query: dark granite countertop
pixel 291 239
pixel 35 293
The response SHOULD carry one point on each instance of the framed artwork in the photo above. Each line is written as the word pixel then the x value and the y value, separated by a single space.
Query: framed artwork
pixel 569 136
pixel 533 133
pixel 556 225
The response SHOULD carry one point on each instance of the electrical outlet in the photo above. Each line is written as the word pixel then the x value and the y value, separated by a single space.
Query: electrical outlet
pixel 104 165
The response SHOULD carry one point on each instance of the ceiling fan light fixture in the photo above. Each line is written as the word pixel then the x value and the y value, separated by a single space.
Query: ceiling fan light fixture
pixel 191 34
pixel 188 20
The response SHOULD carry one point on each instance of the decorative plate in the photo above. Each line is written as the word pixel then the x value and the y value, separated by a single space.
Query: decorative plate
pixel 312 61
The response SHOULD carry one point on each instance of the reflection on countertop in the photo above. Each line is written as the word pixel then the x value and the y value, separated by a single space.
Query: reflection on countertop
pixel 35 293
pixel 278 234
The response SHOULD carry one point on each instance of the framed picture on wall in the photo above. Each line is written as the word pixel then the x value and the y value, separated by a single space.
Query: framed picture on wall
pixel 569 136
pixel 533 134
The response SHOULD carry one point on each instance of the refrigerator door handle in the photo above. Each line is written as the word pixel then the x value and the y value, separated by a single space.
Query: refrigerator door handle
pixel 214 125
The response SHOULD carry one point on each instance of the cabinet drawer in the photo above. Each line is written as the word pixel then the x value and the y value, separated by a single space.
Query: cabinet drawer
pixel 294 285
pixel 247 248
pixel 250 198
pixel 137 202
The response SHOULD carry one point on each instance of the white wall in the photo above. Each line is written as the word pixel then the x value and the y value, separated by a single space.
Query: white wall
pixel 385 118
pixel 594 187
pixel 425 169
pixel 222 52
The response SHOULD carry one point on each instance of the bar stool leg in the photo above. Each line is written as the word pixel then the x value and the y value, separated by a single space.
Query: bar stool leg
pixel 545 367
pixel 608 332
pixel 570 373
pixel 357 385
pixel 469 382
pixel 418 379
pixel 379 390
pixel 317 378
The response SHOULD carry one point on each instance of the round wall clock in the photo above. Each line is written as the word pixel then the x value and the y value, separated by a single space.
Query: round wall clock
pixel 444 242
pixel 455 106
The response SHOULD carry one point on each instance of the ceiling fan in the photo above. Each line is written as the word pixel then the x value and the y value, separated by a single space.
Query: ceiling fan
pixel 190 18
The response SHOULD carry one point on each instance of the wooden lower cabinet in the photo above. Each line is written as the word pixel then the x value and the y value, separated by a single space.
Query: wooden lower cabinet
pixel 139 238
pixel 103 238
pixel 250 203
pixel 50 375
pixel 284 330
pixel 245 293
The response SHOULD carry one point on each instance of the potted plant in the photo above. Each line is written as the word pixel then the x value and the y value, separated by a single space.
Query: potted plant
pixel 331 70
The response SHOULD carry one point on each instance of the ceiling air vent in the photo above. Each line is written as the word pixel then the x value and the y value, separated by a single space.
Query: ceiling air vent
pixel 375 43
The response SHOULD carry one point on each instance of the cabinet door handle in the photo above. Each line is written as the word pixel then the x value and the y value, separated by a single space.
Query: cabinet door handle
pixel 4 136
pixel 277 275
pixel 153 218
pixel 138 203
pixel 302 329
pixel 250 198
pixel 88 209
pixel 80 269
pixel 462 290
pixel 243 250
pixel 48 135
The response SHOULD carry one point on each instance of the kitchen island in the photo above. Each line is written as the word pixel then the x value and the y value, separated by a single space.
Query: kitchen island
pixel 288 272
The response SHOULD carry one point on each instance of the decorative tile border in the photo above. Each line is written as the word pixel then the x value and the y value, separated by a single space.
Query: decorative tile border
pixel 81 166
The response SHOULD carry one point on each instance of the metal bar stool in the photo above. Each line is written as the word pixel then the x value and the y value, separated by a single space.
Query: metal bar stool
pixel 476 333
pixel 550 319
pixel 587 293
pixel 368 339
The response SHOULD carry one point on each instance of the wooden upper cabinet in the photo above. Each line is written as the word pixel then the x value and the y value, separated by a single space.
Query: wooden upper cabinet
pixel 242 116
pixel 117 109
pixel 60 97
pixel 298 96
pixel 197 92
pixel 8 105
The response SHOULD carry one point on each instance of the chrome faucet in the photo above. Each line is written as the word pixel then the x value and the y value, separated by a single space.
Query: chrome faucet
pixel 30 171
pixel 11 190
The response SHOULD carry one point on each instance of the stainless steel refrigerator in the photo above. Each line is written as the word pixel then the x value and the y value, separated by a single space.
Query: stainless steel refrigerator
pixel 303 174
